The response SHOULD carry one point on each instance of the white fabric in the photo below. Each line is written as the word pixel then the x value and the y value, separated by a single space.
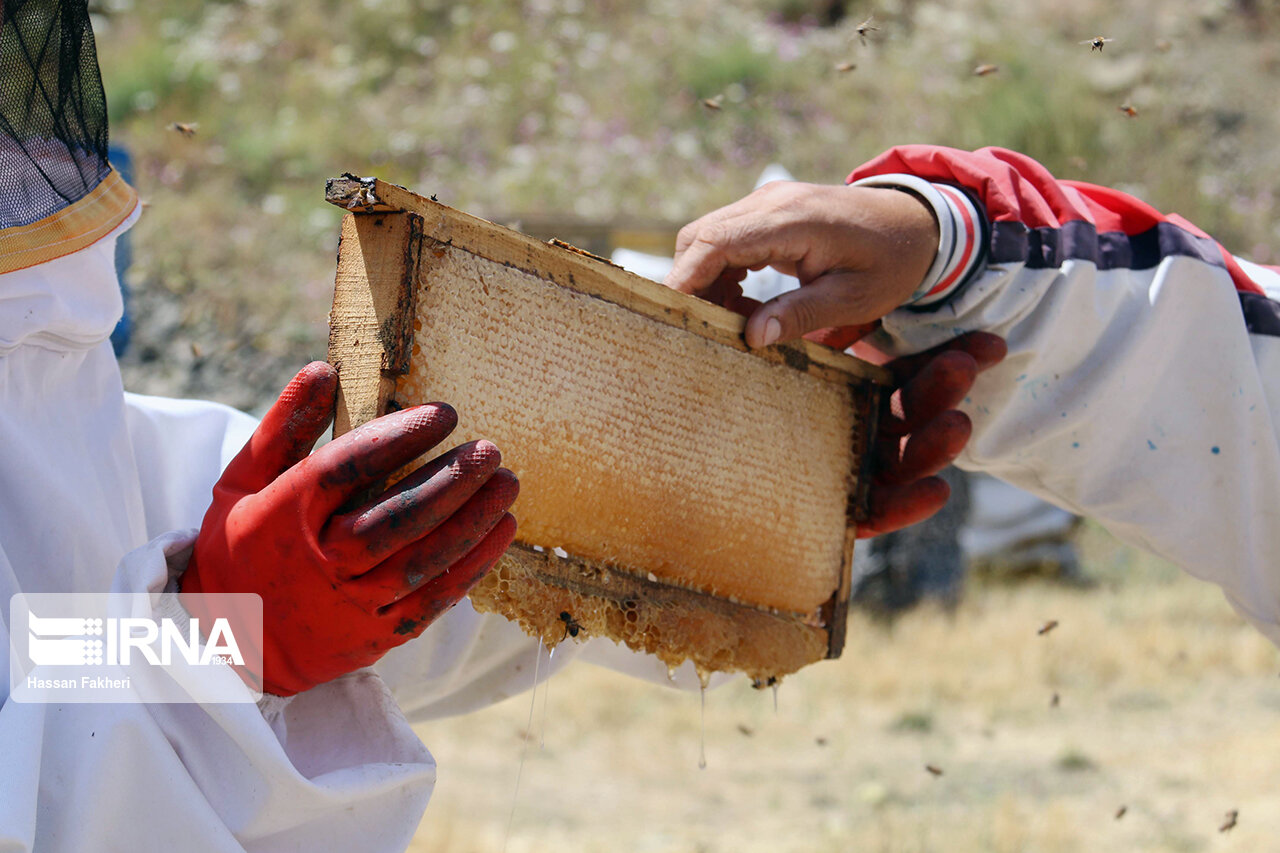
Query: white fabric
pixel 101 490
pixel 88 475
pixel 1135 397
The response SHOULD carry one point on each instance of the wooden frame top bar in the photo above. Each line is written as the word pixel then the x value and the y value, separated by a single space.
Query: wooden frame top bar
pixel 594 275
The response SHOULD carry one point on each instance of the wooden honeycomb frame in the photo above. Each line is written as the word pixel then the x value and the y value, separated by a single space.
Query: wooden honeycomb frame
pixel 392 241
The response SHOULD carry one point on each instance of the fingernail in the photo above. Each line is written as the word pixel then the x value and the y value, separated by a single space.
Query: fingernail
pixel 772 331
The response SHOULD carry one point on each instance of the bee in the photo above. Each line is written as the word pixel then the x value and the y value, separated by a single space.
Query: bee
pixel 362 198
pixel 571 626
pixel 984 70
pixel 713 104
pixel 1230 823
pixel 1120 812
pixel 820 741
pixel 933 769
pixel 866 27
pixel 1097 42
pixel 746 731
pixel 187 129
pixel 845 67
pixel 1054 701
pixel 1047 627
pixel 1128 110
pixel 1164 45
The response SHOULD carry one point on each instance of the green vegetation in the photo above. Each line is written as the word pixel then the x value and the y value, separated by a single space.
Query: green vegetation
pixel 1075 761
pixel 918 722
pixel 595 109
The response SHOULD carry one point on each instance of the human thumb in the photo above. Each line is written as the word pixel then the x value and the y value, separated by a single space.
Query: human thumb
pixel 834 299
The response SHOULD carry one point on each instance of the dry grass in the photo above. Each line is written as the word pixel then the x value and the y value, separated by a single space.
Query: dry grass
pixel 1167 707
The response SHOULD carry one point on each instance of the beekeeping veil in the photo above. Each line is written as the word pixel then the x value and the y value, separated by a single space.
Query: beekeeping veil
pixel 58 193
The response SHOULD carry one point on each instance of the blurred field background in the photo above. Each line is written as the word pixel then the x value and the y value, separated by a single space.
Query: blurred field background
pixel 1168 707
pixel 596 110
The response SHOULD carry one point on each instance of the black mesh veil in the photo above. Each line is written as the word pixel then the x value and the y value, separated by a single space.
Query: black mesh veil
pixel 53 112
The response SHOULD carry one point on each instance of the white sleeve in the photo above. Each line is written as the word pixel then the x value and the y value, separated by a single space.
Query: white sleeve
pixel 181 447
pixel 1142 385
pixel 336 767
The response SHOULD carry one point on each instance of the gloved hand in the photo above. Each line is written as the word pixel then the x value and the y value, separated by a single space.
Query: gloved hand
pixel 858 252
pixel 345 577
pixel 920 432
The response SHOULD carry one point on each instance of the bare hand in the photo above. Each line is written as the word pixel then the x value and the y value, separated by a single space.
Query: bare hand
pixel 859 253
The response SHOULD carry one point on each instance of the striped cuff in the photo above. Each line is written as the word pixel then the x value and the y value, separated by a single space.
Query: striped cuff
pixel 960 230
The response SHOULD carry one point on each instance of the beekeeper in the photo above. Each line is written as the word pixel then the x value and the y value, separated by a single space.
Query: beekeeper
pixel 1142 382
pixel 102 490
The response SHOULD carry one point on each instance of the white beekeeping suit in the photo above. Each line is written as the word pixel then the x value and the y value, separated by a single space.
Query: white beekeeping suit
pixel 104 490
pixel 91 482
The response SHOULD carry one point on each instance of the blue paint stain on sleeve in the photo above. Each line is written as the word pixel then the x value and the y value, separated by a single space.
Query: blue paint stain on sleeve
pixel 1020 378
pixel 1076 445
pixel 1216 450
pixel 1151 445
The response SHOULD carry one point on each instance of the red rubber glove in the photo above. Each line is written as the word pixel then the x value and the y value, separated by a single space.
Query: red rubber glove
pixel 919 431
pixel 341 586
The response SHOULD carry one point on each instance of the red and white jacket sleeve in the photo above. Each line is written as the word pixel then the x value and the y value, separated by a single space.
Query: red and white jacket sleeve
pixel 1142 385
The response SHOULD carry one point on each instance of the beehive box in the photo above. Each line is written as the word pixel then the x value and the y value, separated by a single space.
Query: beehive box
pixel 679 493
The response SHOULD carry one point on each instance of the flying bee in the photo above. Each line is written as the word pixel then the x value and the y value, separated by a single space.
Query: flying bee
pixel 1128 110
pixel 984 70
pixel 571 626
pixel 714 103
pixel 1055 701
pixel 1097 42
pixel 866 27
pixel 1230 823
pixel 1120 812
pixel 1164 45
pixel 933 769
pixel 187 129
pixel 1047 627
pixel 845 67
